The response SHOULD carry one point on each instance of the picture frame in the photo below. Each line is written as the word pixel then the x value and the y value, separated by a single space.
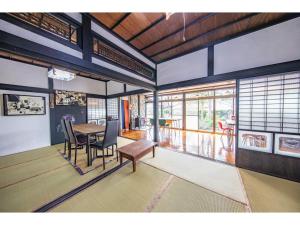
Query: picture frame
pixel 287 144
pixel 22 105
pixel 64 98
pixel 256 141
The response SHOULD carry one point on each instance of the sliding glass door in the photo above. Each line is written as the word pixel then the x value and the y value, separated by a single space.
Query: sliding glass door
pixel 206 114
pixel 205 109
pixel 224 110
pixel 192 117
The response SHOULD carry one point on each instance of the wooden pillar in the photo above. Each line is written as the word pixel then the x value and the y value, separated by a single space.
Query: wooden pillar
pixel 155 116
pixel 87 41
pixel 183 112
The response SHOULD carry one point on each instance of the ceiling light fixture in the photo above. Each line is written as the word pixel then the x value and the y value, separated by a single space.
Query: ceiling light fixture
pixel 58 74
pixel 168 15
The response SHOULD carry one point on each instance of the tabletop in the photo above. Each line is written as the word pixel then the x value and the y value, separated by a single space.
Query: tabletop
pixel 137 147
pixel 88 128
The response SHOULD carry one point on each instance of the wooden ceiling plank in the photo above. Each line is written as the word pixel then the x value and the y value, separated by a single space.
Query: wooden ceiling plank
pixel 107 19
pixel 206 33
pixel 120 21
pixel 147 28
pixel 179 30
pixel 249 26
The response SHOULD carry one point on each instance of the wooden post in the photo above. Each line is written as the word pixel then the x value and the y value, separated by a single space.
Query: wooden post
pixel 155 116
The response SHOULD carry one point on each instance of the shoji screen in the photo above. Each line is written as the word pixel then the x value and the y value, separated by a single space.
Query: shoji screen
pixel 270 103
pixel 96 110
pixel 112 108
pixel 269 125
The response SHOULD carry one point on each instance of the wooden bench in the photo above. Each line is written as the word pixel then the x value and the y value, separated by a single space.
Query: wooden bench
pixel 136 150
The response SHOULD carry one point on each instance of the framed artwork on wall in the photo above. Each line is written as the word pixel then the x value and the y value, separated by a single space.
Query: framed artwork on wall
pixel 287 144
pixel 70 98
pixel 256 141
pixel 18 105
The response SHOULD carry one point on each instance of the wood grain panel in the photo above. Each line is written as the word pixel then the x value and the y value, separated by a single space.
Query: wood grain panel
pixel 164 28
pixel 194 30
pixel 108 19
pixel 228 31
pixel 136 22
pixel 271 164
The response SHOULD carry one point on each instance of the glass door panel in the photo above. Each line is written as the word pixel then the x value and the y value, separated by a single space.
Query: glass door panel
pixel 166 110
pixel 224 110
pixel 206 113
pixel 177 108
pixel 192 115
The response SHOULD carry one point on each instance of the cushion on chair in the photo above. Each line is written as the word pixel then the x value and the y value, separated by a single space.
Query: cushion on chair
pixel 97 144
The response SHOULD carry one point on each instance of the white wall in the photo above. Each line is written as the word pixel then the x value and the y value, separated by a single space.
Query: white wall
pixel 23 74
pixel 114 87
pixel 75 16
pixel 31 36
pixel 187 67
pixel 81 84
pixel 132 88
pixel 23 133
pixel 275 44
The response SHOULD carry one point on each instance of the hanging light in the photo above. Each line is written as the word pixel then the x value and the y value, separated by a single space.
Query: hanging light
pixel 168 15
pixel 183 37
pixel 61 74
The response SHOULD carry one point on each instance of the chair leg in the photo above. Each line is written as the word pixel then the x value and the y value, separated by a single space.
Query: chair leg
pixel 75 155
pixel 65 147
pixel 103 158
pixel 69 150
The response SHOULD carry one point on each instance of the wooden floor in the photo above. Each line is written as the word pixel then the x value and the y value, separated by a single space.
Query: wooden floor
pixel 214 146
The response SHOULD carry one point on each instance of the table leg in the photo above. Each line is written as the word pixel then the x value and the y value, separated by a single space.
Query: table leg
pixel 89 163
pixel 121 158
pixel 134 165
pixel 153 151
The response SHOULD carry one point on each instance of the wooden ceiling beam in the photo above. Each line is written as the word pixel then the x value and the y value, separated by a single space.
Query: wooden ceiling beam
pixel 206 33
pixel 147 28
pixel 120 21
pixel 201 18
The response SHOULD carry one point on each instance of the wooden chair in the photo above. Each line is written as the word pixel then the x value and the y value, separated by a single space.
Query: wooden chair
pixel 109 140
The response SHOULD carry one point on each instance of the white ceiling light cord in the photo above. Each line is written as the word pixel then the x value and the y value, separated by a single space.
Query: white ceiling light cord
pixel 183 15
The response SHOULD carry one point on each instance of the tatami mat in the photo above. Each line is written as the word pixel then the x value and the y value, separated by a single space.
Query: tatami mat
pixel 184 196
pixel 31 179
pixel 125 191
pixel 218 177
pixel 271 194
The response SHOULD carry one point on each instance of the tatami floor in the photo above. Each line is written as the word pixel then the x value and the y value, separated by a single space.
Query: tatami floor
pixel 209 145
pixel 32 179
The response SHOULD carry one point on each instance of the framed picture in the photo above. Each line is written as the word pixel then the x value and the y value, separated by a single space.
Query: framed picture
pixel 15 105
pixel 70 98
pixel 257 141
pixel 287 144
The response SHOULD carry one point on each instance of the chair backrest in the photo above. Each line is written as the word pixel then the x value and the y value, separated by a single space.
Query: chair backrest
pixel 152 122
pixel 111 133
pixel 72 136
pixel 64 129
pixel 162 122
pixel 220 125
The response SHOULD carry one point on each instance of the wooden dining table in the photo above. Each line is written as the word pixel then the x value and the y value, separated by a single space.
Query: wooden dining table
pixel 88 130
